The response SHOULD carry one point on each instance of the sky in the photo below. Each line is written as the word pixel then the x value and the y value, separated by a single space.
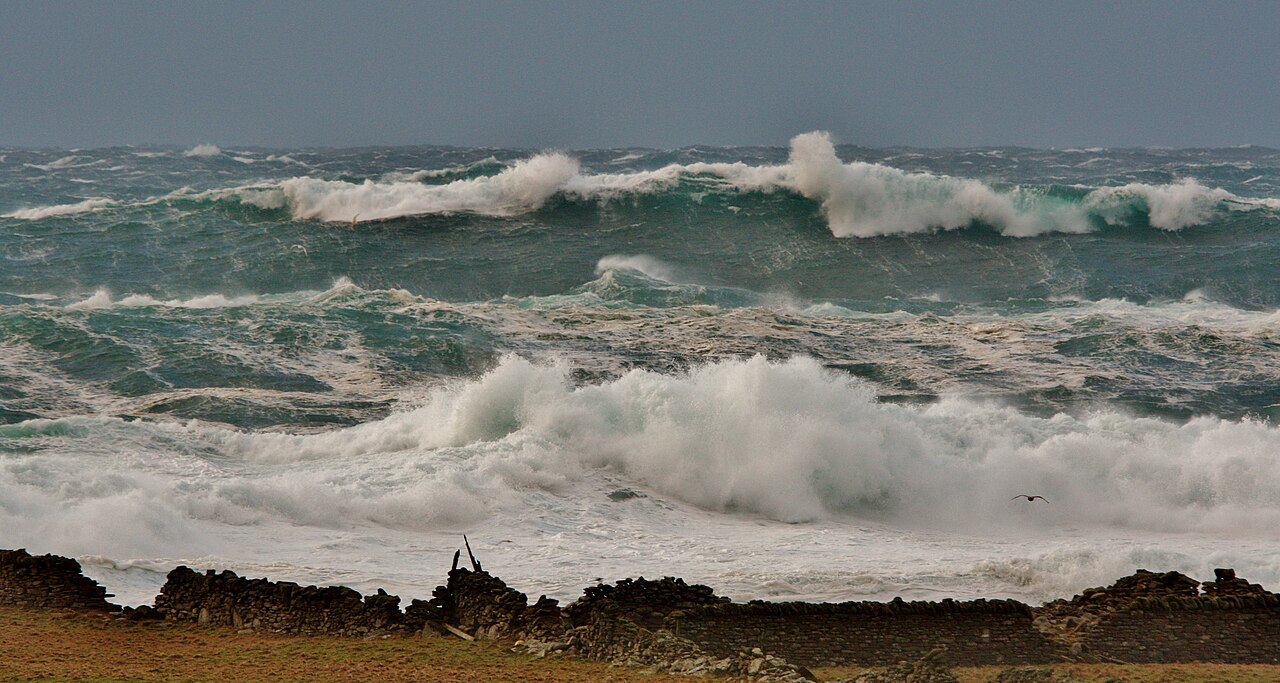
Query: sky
pixel 655 73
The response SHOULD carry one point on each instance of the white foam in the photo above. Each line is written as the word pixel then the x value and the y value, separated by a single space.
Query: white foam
pixel 101 299
pixel 793 442
pixel 858 199
pixel 1196 308
pixel 648 265
pixel 40 212
pixel 39 296
pixel 888 499
pixel 419 176
pixel 1169 207
pixel 65 162
pixel 764 478
pixel 865 200
pixel 523 187
pixel 203 151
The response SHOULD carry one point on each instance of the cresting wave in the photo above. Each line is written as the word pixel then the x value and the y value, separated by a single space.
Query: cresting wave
pixel 101 298
pixel 789 441
pixel 857 199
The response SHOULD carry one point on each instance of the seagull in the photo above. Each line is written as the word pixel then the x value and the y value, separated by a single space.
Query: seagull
pixel 1029 498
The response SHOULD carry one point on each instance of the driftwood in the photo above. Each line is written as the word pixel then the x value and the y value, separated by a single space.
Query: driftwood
pixel 459 632
pixel 456 554
pixel 474 563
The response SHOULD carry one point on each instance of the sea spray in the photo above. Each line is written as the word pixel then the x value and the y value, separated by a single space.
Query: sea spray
pixel 556 353
pixel 858 199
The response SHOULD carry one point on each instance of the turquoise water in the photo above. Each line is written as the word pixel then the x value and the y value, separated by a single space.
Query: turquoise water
pixel 234 350
pixel 1175 321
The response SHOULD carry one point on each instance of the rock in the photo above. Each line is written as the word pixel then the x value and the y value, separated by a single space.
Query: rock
pixel 1034 674
pixel 922 671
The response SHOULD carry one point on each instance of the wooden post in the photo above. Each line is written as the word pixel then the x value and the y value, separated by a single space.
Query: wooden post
pixel 474 564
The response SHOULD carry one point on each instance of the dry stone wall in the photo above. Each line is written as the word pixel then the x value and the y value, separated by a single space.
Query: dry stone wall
pixel 30 580
pixel 872 633
pixel 1144 618
pixel 485 606
pixel 225 599
pixel 641 601
pixel 1242 629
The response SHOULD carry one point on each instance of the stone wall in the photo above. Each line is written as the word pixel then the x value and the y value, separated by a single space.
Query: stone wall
pixel 483 605
pixel 48 581
pixel 225 599
pixel 641 601
pixel 1144 618
pixel 1241 629
pixel 872 633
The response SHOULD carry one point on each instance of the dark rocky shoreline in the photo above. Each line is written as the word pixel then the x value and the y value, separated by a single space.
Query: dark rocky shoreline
pixel 672 626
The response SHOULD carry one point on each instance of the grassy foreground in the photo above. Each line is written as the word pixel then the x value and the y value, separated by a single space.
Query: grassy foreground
pixel 55 645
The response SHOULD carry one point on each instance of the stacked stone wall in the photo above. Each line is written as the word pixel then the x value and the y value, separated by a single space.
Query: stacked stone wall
pixel 485 606
pixel 872 633
pixel 226 599
pixel 1143 618
pixel 641 601
pixel 1235 630
pixel 48 581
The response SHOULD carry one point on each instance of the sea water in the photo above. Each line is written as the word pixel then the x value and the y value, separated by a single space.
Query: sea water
pixel 811 372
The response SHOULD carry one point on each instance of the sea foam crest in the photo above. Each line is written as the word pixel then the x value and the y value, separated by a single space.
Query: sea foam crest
pixel 101 299
pixel 37 213
pixel 788 440
pixel 523 187
pixel 858 199
pixel 203 151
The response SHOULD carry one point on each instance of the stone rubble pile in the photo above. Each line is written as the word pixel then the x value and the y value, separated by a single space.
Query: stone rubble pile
pixel 1225 584
pixel 1034 674
pixel 929 669
pixel 1070 620
pixel 625 643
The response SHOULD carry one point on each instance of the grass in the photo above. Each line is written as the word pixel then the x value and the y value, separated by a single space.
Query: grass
pixel 54 645
pixel 57 645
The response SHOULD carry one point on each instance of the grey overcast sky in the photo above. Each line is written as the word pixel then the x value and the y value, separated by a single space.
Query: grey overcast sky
pixel 654 73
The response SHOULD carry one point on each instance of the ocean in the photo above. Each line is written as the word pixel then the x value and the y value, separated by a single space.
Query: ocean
pixel 812 372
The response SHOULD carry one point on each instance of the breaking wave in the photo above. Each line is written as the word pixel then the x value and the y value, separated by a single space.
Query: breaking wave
pixel 789 441
pixel 101 299
pixel 857 199
pixel 203 151
pixel 87 206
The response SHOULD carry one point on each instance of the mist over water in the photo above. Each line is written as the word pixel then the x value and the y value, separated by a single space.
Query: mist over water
pixel 816 371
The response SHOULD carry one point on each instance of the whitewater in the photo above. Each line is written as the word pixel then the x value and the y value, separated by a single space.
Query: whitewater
pixel 811 372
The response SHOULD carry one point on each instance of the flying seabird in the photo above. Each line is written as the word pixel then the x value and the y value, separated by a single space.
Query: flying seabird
pixel 1029 497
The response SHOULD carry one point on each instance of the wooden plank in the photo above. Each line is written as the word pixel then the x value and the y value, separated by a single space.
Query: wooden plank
pixel 458 632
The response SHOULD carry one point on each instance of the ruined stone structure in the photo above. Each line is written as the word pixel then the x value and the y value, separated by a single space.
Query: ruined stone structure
pixel 225 599
pixel 673 626
pixel 48 581
pixel 481 603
